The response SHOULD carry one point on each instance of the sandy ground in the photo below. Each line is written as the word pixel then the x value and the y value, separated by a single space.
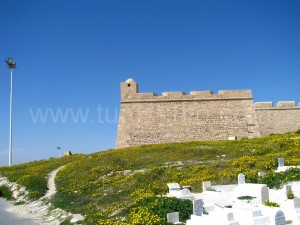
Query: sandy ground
pixel 51 183
pixel 8 218
pixel 40 210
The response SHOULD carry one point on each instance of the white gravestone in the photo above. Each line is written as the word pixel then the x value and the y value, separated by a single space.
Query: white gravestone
pixel 173 217
pixel 206 185
pixel 197 207
pixel 186 194
pixel 297 210
pixel 297 203
pixel 280 218
pixel 241 179
pixel 264 194
pixel 173 186
pixel 280 162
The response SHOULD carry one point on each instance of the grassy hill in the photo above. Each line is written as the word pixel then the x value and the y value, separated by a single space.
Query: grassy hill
pixel 120 186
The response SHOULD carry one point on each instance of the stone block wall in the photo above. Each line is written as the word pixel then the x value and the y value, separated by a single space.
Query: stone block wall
pixel 149 118
pixel 283 118
pixel 146 118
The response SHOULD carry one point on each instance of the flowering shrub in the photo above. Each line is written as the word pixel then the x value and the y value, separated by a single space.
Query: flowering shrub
pixel 142 216
pixel 161 206
pixel 277 180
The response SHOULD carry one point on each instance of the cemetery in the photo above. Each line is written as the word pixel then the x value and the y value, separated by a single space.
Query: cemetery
pixel 242 203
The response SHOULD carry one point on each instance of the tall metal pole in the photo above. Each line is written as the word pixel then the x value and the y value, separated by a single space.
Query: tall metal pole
pixel 11 65
pixel 10 119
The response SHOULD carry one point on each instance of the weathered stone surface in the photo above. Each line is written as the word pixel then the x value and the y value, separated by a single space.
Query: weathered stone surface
pixel 198 207
pixel 280 218
pixel 146 118
pixel 277 120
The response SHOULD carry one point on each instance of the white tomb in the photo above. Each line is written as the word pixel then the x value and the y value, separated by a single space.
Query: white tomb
pixel 175 191
pixel 173 218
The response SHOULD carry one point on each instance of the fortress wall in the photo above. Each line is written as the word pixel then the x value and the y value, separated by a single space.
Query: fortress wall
pixel 149 118
pixel 176 117
pixel 279 119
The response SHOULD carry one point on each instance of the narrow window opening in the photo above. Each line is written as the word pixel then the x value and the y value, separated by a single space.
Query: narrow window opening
pixel 128 85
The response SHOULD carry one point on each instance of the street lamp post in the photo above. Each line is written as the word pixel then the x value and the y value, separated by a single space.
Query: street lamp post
pixel 11 65
pixel 58 148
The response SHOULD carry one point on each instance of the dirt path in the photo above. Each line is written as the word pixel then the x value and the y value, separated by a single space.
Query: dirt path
pixel 51 183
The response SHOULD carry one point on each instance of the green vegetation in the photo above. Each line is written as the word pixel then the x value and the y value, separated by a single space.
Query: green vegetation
pixel 6 193
pixel 277 180
pixel 33 175
pixel 122 186
pixel 271 204
pixel 246 197
pixel 290 195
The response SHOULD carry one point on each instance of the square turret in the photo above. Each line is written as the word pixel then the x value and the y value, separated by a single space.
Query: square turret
pixel 129 88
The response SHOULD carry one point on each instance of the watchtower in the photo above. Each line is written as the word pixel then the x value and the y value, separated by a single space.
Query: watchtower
pixel 128 89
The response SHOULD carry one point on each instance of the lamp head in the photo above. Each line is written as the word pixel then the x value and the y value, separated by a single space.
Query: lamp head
pixel 11 63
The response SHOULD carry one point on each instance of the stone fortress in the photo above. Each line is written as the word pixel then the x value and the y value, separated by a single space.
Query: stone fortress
pixel 146 118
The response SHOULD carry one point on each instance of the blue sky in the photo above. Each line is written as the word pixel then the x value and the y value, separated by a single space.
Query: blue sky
pixel 72 55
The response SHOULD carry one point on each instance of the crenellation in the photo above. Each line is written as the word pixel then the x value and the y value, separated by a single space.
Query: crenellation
pixel 148 118
pixel 283 105
pixel 174 94
pixel 235 93
pixel 263 105
pixel 202 93
pixel 286 104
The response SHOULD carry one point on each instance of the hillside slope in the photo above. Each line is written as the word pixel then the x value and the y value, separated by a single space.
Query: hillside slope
pixel 119 185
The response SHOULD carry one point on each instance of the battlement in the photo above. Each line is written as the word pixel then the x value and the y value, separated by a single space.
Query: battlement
pixel 130 93
pixel 279 105
pixel 174 94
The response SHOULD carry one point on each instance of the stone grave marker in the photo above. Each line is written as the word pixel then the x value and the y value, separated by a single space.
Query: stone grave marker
pixel 198 207
pixel 241 179
pixel 297 203
pixel 279 218
pixel 261 174
pixel 206 185
pixel 185 192
pixel 173 186
pixel 264 194
pixel 288 190
pixel 280 162
pixel 173 217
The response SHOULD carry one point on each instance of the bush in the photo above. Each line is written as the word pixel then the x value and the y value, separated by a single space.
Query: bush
pixel 277 180
pixel 161 206
pixel 246 197
pixel 271 204
pixel 272 180
pixel 6 193
pixel 36 185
